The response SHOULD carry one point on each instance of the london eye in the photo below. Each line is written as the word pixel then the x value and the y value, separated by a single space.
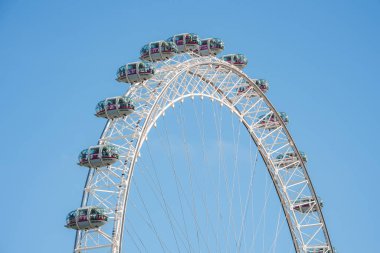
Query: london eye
pixel 186 69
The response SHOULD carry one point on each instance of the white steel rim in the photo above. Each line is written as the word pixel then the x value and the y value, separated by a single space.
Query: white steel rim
pixel 187 76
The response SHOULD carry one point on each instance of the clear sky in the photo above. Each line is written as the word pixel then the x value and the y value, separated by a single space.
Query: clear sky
pixel 58 58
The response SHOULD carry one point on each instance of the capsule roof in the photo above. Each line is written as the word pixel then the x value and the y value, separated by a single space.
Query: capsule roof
pixel 184 34
pixel 186 42
pixel 135 72
pixel 283 116
pixel 308 198
pixel 307 204
pixel 238 60
pixel 270 121
pixel 249 92
pixel 115 107
pixel 98 156
pixel 291 154
pixel 158 50
pixel 262 84
pixel 211 46
pixel 86 218
pixel 320 249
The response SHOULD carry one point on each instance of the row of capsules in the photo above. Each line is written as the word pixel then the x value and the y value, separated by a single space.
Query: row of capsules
pixel 92 217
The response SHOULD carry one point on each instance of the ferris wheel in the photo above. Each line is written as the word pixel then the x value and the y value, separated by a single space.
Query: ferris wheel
pixel 185 68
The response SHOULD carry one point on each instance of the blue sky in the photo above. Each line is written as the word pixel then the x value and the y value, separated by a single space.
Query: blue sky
pixel 58 58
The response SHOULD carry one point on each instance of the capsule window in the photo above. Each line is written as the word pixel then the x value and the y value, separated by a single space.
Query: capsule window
pixel 105 152
pixel 131 69
pixel 83 154
pixel 179 40
pixel 188 38
pixel 165 46
pixel 145 49
pixel 71 215
pixel 111 101
pixel 121 71
pixel 82 212
pixel 94 151
pixel 171 45
pixel 141 67
pixel 121 101
pixel 227 58
pixel 124 101
pixel 100 106
pixel 192 37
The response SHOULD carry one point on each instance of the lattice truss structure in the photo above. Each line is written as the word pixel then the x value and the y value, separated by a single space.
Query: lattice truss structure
pixel 187 76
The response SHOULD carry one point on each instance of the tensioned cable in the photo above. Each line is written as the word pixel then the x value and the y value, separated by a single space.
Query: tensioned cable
pixel 160 198
pixel 265 215
pixel 236 154
pixel 133 241
pixel 167 214
pixel 130 225
pixel 200 125
pixel 178 186
pixel 165 140
pixel 190 169
pixel 278 229
pixel 266 197
pixel 220 162
pixel 249 196
pixel 150 222
pixel 222 167
pixel 190 178
pixel 236 172
pixel 181 121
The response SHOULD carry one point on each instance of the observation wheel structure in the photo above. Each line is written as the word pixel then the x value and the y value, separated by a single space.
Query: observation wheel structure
pixel 176 73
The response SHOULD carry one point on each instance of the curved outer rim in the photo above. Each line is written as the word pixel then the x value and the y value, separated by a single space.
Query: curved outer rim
pixel 146 128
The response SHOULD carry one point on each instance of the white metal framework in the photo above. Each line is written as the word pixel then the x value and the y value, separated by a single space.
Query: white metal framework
pixel 187 76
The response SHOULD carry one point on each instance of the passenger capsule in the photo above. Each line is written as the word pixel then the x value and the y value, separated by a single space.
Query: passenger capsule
pixel 247 90
pixel 212 46
pixel 186 42
pixel 85 218
pixel 115 107
pixel 98 156
pixel 271 122
pixel 135 72
pixel 237 60
pixel 158 51
pixel 320 249
pixel 307 204
pixel 289 160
